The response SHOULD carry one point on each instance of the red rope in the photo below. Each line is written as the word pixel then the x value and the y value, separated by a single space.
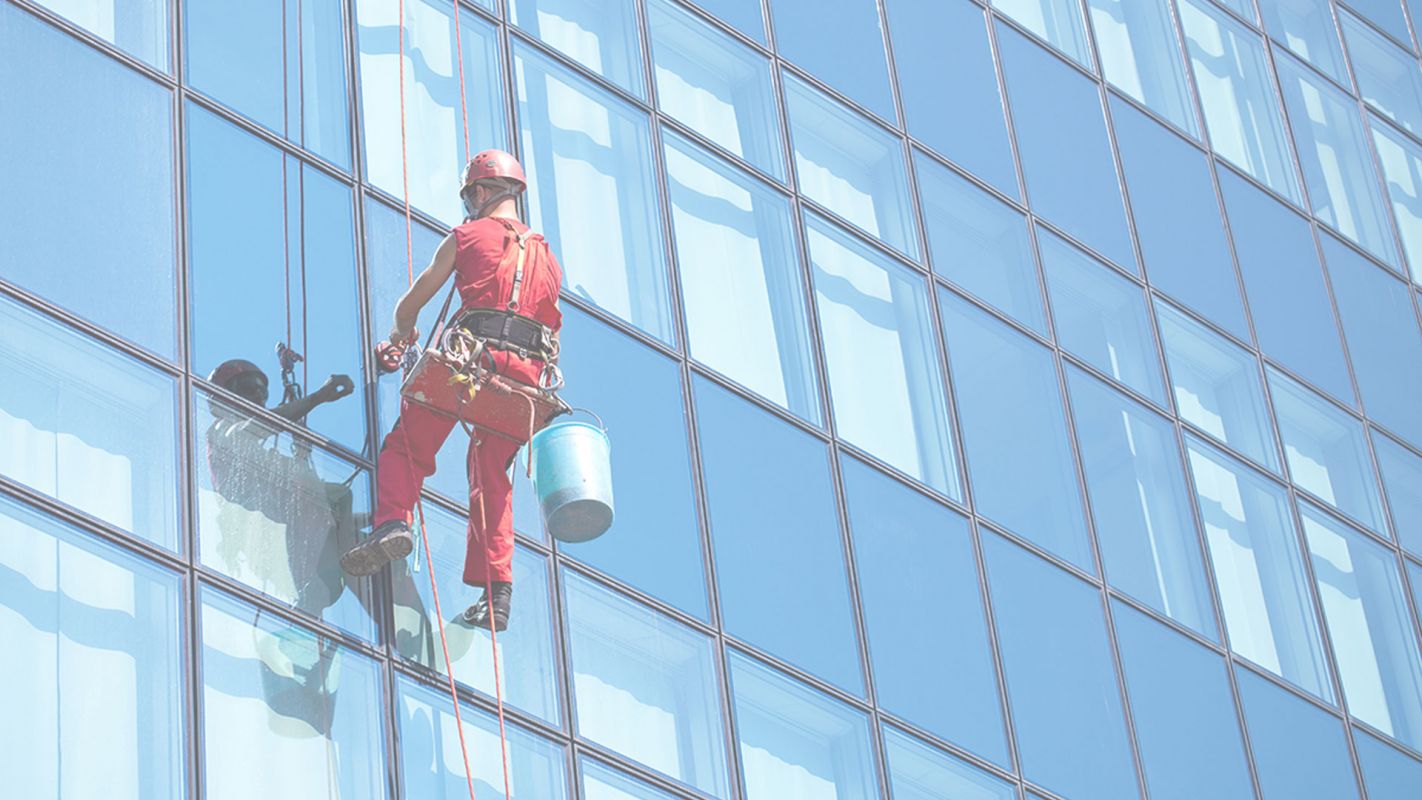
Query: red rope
pixel 424 537
pixel 463 98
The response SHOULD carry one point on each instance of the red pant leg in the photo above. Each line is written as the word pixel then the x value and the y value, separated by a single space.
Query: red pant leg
pixel 407 458
pixel 491 545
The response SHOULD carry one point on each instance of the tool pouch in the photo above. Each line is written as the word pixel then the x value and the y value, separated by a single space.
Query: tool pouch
pixel 498 405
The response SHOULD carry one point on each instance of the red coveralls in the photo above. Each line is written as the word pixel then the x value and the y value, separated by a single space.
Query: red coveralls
pixel 407 457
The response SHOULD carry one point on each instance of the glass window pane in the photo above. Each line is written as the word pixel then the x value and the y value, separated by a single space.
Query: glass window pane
pixel 776 549
pixel 1306 27
pixel 741 280
pixel 526 657
pixel 796 742
pixel 1299 750
pixel 716 85
pixel 885 381
pixel 601 782
pixel 1071 734
pixel 946 75
pixel 1388 76
pixel 64 99
pixel 286 713
pixel 1141 56
pixel 1402 478
pixel 1184 713
pixel 1241 110
pixel 599 34
pixel 1066 156
pixel 1365 606
pixel 276 514
pixel 1333 147
pixel 1101 317
pixel 912 555
pixel 1057 21
pixel 1383 338
pixel 433 765
pixel 645 686
pixel 920 772
pixel 1217 386
pixel 1140 504
pixel 1260 574
pixel 1014 431
pixel 850 166
pixel 91 665
pixel 272 260
pixel 139 27
pixel 655 541
pixel 802 36
pixel 1178 221
pixel 591 191
pixel 1387 773
pixel 980 243
pixel 434 113
pixel 743 15
pixel 1401 161
pixel 1386 14
pixel 88 426
pixel 1327 452
pixel 281 64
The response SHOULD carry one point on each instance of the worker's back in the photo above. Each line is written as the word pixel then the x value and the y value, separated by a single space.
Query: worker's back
pixel 485 263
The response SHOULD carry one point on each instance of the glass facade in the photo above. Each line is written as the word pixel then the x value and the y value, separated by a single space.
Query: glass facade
pixel 1010 399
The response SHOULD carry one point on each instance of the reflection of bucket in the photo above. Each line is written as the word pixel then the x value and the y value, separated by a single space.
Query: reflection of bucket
pixel 572 474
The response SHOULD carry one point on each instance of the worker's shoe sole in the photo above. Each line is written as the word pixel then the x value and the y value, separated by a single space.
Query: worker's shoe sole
pixel 478 615
pixel 388 542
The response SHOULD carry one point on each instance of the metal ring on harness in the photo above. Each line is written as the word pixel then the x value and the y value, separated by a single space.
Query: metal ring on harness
pixel 551 378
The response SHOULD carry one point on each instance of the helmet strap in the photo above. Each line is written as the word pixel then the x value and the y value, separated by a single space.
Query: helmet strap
pixel 479 212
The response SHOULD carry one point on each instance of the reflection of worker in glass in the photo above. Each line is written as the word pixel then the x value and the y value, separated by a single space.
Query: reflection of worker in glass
pixel 508 278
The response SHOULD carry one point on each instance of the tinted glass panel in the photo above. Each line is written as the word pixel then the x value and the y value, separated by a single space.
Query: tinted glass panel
pixel 1014 431
pixel 272 260
pixel 139 27
pixel 1299 750
pixel 62 99
pixel 1388 76
pixel 740 278
pixel 773 548
pixel 1386 14
pixel 282 64
pixel 796 742
pixel 1066 157
pixel 655 542
pixel 1402 479
pixel 91 669
pixel 885 380
pixel 1141 56
pixel 1057 21
pixel 946 75
pixel 1306 27
pixel 433 765
pixel 802 36
pixel 853 168
pixel 716 85
pixel 434 112
pixel 914 554
pixel 300 705
pixel 1263 589
pixel 1387 773
pixel 1217 386
pixel 1333 146
pixel 525 650
pixel 1101 317
pixel 979 243
pixel 1071 735
pixel 920 772
pixel 1241 110
pixel 591 191
pixel 645 686
pixel 1178 220
pixel 1401 161
pixel 88 426
pixel 1140 503
pixel 601 782
pixel 743 15
pixel 1184 713
pixel 1327 451
pixel 1365 606
pixel 601 35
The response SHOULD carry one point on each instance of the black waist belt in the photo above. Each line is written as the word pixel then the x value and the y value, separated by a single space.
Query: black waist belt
pixel 505 330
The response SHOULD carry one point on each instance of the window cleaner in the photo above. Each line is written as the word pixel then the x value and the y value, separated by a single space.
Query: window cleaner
pixel 494 371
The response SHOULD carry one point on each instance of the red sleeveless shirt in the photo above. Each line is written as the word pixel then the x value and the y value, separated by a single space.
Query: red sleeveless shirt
pixel 485 280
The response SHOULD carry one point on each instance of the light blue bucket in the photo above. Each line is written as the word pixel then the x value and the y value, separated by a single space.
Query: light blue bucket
pixel 572 475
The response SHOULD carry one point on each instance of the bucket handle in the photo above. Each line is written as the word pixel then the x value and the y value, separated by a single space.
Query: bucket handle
pixel 590 413
pixel 528 448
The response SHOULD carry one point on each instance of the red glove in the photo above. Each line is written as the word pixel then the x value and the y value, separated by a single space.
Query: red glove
pixel 388 356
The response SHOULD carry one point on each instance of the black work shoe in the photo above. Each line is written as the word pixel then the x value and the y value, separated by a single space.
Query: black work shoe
pixel 478 614
pixel 389 541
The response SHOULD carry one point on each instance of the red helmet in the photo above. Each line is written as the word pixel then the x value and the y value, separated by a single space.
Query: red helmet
pixel 494 164
pixel 229 371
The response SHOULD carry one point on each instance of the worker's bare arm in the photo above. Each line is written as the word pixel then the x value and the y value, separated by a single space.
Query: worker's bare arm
pixel 425 287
